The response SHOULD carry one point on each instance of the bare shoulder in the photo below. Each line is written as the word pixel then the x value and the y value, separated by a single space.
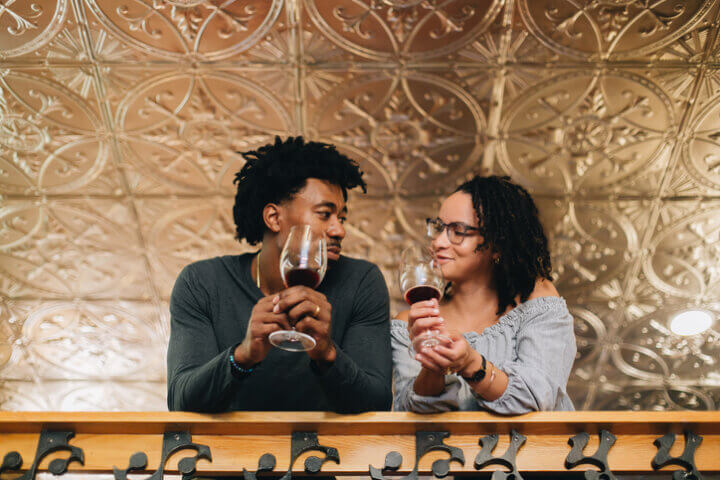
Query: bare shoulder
pixel 543 288
pixel 404 315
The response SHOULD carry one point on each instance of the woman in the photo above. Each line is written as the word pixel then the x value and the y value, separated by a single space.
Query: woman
pixel 512 340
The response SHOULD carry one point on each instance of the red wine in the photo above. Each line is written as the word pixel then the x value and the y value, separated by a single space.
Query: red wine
pixel 302 276
pixel 421 293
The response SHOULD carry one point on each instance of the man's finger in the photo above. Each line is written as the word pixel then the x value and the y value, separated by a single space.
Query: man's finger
pixel 269 328
pixel 265 304
pixel 303 309
pixel 274 318
pixel 292 297
pixel 311 326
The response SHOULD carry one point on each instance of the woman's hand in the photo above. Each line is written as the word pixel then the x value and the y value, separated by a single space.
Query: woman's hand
pixel 424 316
pixel 449 358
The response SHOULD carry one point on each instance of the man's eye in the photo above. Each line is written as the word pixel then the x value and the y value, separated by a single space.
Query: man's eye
pixel 325 215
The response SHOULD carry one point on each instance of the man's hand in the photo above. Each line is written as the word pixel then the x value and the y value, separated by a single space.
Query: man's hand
pixel 263 321
pixel 311 313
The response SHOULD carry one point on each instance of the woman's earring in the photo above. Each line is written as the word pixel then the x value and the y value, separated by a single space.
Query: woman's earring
pixel 496 260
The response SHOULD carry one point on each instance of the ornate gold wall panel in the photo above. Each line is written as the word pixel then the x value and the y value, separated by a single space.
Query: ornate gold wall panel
pixel 120 122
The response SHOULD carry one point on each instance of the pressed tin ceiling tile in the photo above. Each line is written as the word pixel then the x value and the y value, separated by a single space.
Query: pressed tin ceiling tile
pixel 120 123
pixel 684 251
pixel 51 95
pixel 698 170
pixel 88 340
pixel 381 31
pixel 70 249
pixel 592 242
pixel 53 140
pixel 567 131
pixel 611 396
pixel 170 31
pixel 180 131
pixel 416 131
pixel 619 32
pixel 83 396
pixel 183 230
pixel 41 32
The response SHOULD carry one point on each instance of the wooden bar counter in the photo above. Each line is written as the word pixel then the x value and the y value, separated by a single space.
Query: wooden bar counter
pixel 238 440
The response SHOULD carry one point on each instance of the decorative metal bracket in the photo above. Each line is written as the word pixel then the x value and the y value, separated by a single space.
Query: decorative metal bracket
pixel 300 443
pixel 485 458
pixel 686 460
pixel 599 459
pixel 48 443
pixel 172 442
pixel 12 461
pixel 424 442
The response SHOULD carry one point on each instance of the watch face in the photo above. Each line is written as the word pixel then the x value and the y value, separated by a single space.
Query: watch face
pixel 477 376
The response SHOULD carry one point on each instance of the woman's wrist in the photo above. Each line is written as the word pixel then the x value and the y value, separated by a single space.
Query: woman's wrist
pixel 474 363
pixel 429 383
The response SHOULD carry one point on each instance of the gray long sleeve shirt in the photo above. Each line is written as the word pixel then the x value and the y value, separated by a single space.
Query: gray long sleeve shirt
pixel 534 344
pixel 210 307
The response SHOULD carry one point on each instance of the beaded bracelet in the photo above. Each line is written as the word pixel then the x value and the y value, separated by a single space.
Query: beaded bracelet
pixel 238 368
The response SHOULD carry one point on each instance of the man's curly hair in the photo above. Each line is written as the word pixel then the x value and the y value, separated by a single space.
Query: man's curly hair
pixel 510 225
pixel 276 172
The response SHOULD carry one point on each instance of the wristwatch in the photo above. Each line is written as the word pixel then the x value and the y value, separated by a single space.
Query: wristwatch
pixel 480 374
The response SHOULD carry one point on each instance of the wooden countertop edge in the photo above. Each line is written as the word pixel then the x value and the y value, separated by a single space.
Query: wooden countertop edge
pixel 272 423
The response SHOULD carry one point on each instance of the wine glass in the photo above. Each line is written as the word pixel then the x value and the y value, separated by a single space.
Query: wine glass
pixel 303 261
pixel 421 279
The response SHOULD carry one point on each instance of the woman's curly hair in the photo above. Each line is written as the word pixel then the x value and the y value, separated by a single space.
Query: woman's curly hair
pixel 276 172
pixel 510 225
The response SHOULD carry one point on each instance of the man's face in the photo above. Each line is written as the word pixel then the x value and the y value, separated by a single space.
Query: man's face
pixel 321 205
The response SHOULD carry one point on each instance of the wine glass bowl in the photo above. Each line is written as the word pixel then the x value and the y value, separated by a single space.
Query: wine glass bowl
pixel 421 279
pixel 303 261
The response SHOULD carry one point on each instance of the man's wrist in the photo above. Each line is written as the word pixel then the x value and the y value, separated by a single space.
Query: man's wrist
pixel 239 371
pixel 241 357
pixel 326 358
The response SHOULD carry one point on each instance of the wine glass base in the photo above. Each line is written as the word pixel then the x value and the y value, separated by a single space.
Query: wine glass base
pixel 292 341
pixel 427 340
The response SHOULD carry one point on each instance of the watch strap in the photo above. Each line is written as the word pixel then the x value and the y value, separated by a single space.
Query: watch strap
pixel 480 374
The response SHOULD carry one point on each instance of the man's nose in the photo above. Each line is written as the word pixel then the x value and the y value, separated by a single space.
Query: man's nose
pixel 336 229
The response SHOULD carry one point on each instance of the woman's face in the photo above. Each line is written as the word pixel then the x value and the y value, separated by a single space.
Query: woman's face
pixel 460 261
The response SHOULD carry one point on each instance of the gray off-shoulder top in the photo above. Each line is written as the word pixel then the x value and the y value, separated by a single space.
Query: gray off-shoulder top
pixel 534 344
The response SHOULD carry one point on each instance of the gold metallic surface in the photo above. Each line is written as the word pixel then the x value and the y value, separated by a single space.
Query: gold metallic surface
pixel 120 122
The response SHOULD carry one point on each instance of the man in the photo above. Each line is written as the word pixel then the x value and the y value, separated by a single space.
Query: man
pixel 223 309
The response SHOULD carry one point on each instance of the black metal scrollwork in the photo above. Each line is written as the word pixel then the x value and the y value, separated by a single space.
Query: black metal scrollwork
pixel 599 459
pixel 301 442
pixel 686 460
pixel 172 442
pixel 48 443
pixel 485 458
pixel 12 461
pixel 424 442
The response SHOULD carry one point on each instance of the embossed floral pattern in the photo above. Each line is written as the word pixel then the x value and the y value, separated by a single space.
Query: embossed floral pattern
pixel 121 123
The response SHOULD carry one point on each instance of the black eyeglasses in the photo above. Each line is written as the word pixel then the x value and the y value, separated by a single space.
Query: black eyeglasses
pixel 456 231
